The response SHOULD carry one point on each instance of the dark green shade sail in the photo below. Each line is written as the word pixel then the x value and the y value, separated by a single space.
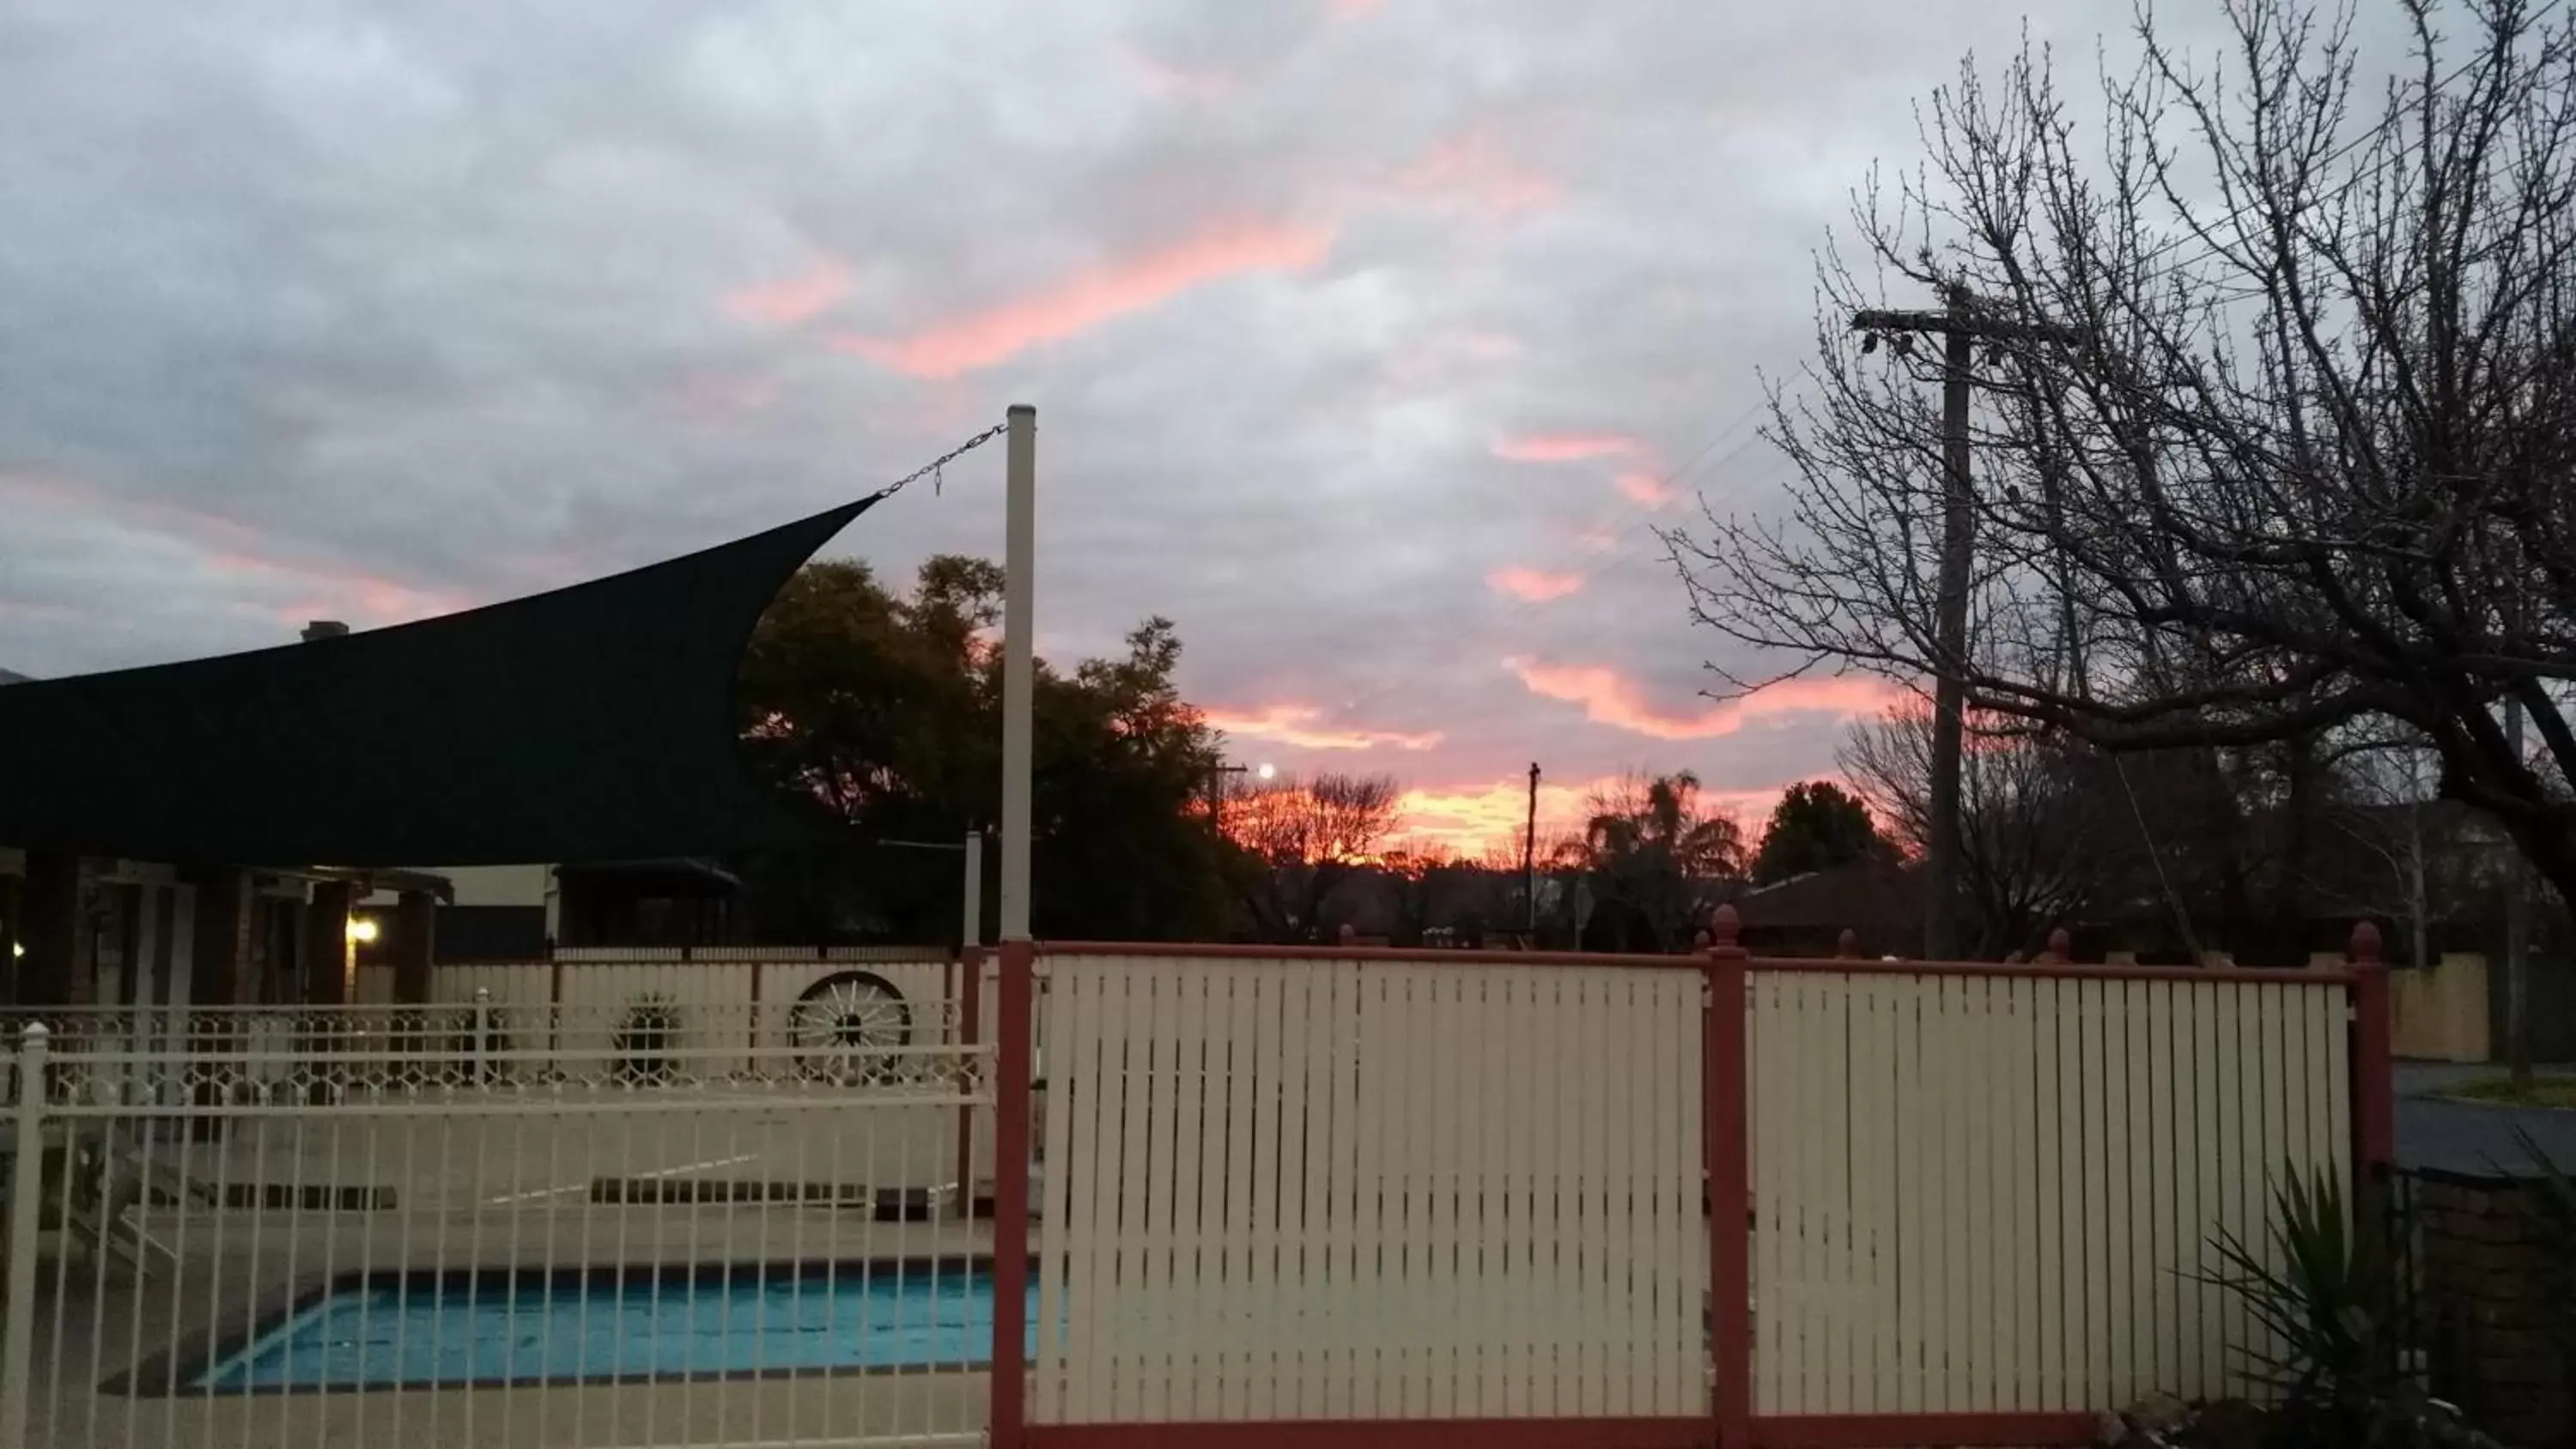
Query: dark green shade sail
pixel 588 724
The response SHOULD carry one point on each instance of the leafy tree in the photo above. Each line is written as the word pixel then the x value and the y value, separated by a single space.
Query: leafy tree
pixel 1817 825
pixel 1654 861
pixel 885 710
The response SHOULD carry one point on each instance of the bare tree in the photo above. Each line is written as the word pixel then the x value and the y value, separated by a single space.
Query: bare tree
pixel 2037 848
pixel 2379 816
pixel 2293 446
pixel 1306 837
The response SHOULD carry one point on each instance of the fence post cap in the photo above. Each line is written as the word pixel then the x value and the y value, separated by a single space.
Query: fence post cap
pixel 1847 945
pixel 2061 945
pixel 1725 927
pixel 2365 943
pixel 35 1033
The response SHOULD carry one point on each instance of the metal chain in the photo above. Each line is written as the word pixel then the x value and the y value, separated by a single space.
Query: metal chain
pixel 931 469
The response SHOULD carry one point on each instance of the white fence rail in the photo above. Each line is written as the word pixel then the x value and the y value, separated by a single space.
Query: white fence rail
pixel 352 1229
pixel 597 982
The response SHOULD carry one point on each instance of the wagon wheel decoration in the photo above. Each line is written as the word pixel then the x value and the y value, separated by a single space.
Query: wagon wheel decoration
pixel 840 1019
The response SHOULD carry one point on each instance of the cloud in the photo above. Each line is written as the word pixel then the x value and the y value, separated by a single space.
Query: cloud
pixel 1609 697
pixel 1296 724
pixel 1565 447
pixel 293 592
pixel 1348 10
pixel 1644 489
pixel 1479 170
pixel 791 300
pixel 1476 817
pixel 1169 79
pixel 395 307
pixel 982 338
pixel 1534 586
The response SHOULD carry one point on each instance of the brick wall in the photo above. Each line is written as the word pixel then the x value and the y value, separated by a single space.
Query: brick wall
pixel 2491 1295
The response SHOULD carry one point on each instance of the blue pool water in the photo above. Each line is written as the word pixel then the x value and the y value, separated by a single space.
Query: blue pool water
pixel 468 1331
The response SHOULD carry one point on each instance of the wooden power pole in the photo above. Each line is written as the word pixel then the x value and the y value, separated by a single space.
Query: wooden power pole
pixel 1529 865
pixel 1960 327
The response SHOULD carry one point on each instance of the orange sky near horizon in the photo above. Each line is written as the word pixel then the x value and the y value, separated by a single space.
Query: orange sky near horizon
pixel 1472 816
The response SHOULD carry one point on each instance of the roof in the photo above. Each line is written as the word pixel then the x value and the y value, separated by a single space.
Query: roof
pixel 11 676
pixel 591 723
pixel 675 868
pixel 1873 891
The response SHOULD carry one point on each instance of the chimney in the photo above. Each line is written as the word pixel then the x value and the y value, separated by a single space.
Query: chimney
pixel 324 629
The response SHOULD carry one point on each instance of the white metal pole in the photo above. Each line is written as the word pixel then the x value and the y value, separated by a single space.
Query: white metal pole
pixel 1019 654
pixel 973 935
pixel 18 1317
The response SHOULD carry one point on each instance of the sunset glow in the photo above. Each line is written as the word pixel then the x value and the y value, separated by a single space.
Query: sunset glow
pixel 790 300
pixel 1533 586
pixel 1644 489
pixel 1478 169
pixel 1565 447
pixel 1472 819
pixel 1300 725
pixel 1113 289
pixel 1610 698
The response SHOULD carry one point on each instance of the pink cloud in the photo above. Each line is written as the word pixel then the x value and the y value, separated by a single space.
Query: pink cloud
pixel 1643 488
pixel 1440 358
pixel 59 493
pixel 289 590
pixel 1566 447
pixel 1170 80
pixel 1087 299
pixel 788 301
pixel 324 591
pixel 709 398
pixel 1609 697
pixel 1481 171
pixel 1344 10
pixel 1597 540
pixel 1296 724
pixel 1535 586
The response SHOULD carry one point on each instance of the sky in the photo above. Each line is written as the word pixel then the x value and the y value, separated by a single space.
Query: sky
pixel 1370 339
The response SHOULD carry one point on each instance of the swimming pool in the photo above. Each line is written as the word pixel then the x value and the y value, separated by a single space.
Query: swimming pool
pixel 501 1328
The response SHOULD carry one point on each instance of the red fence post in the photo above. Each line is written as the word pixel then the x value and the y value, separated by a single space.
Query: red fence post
pixel 1728 1148
pixel 1011 1092
pixel 2374 1090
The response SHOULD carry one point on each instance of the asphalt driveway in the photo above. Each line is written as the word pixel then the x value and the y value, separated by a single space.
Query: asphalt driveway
pixel 2473 1137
